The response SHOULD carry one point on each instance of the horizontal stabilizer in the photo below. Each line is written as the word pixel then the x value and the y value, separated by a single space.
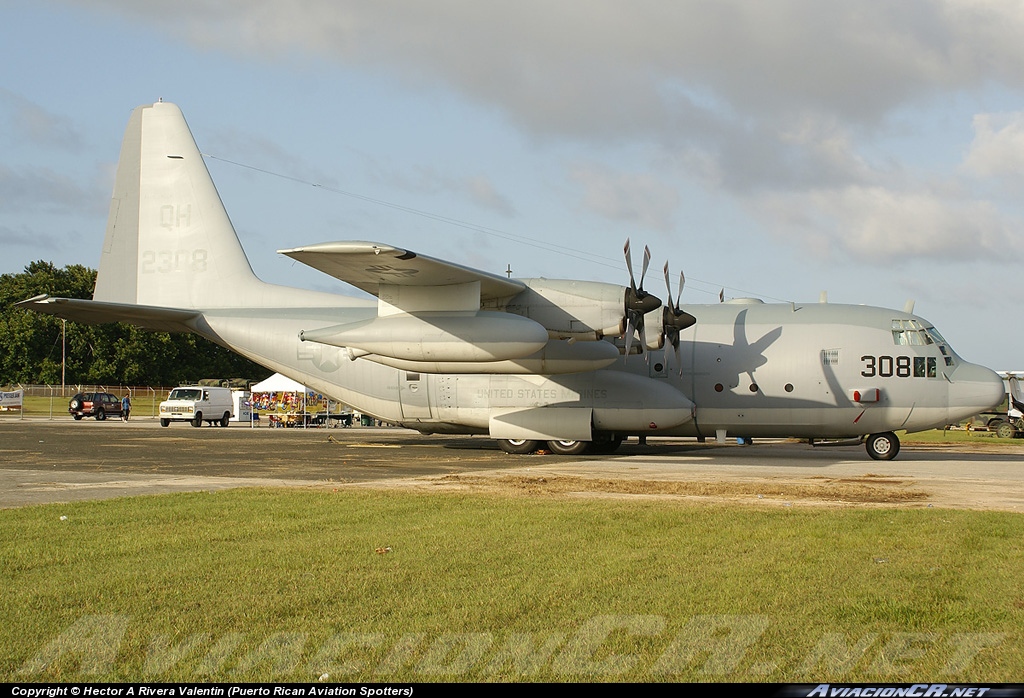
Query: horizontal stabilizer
pixel 370 265
pixel 98 312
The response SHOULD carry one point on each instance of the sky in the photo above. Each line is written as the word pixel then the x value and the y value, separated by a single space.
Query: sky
pixel 871 150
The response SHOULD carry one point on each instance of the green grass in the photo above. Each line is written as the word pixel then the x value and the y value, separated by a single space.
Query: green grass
pixel 287 585
pixel 35 406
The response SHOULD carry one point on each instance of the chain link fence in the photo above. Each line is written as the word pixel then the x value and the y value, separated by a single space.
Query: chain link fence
pixel 51 401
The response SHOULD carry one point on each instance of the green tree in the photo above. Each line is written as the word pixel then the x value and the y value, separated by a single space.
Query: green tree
pixel 100 354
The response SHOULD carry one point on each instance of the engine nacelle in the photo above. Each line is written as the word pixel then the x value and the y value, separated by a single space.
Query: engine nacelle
pixel 558 357
pixel 438 337
pixel 572 309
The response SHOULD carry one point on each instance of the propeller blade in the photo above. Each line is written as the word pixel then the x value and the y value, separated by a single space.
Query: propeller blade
pixel 647 263
pixel 629 265
pixel 630 329
pixel 682 282
pixel 668 290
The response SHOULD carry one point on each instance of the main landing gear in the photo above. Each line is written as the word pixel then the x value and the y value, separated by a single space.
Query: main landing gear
pixel 883 446
pixel 602 444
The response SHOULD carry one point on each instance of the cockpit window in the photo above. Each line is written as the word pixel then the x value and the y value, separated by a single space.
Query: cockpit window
pixel 912 333
pixel 937 338
pixel 909 333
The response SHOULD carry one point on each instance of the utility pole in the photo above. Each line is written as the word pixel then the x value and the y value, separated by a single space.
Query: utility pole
pixel 63 353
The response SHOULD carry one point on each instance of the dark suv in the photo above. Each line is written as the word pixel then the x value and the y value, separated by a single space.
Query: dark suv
pixel 97 405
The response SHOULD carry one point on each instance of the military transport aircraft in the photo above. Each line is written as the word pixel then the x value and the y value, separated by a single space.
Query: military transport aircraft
pixel 571 366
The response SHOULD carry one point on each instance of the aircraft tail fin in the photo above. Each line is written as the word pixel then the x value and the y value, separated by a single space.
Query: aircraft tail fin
pixel 169 241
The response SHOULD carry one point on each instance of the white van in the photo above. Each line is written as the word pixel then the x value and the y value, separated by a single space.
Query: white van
pixel 197 404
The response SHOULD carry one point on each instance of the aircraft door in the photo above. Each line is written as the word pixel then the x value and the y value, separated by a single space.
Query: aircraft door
pixel 414 394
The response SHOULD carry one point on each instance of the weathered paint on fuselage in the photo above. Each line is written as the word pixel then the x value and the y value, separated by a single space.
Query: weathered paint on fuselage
pixel 751 369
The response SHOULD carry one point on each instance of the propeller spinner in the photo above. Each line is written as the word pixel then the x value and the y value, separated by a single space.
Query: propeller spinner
pixel 638 302
pixel 674 319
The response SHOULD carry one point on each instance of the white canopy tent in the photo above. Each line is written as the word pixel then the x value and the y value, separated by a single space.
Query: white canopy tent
pixel 278 384
pixel 287 402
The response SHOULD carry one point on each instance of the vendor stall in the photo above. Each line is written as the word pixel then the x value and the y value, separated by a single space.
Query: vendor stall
pixel 288 403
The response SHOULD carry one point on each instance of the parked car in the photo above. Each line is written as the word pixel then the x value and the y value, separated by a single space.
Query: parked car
pixel 98 405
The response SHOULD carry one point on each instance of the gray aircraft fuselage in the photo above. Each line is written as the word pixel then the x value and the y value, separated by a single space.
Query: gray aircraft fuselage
pixel 446 348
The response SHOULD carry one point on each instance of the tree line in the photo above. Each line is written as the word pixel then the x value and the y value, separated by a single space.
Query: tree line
pixel 98 354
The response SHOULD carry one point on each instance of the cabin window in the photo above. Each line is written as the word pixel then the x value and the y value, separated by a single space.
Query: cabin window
pixel 924 367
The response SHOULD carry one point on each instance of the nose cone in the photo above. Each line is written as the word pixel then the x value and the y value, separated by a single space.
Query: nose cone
pixel 973 389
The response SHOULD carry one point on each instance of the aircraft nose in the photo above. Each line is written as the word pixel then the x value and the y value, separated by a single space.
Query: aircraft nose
pixel 973 389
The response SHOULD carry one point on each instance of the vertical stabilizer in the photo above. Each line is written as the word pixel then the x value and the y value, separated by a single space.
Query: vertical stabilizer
pixel 169 241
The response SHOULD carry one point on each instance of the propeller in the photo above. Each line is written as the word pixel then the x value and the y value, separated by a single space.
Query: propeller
pixel 674 319
pixel 638 302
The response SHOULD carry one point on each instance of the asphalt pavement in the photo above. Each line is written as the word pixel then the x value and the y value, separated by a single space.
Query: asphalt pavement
pixel 45 461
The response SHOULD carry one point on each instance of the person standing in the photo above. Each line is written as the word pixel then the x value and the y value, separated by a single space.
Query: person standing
pixel 126 407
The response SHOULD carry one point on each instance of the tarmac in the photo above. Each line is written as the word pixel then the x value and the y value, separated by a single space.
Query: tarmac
pixel 46 461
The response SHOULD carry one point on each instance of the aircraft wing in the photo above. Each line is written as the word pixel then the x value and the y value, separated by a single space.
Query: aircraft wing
pixel 368 265
pixel 97 312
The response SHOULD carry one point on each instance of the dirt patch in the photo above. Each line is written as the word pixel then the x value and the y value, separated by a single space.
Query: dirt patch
pixel 864 490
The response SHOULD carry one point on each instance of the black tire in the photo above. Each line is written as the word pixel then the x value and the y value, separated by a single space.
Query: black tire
pixel 518 446
pixel 100 415
pixel 1005 430
pixel 78 417
pixel 197 421
pixel 883 446
pixel 567 447
pixel 75 404
pixel 605 444
pixel 225 419
pixel 165 422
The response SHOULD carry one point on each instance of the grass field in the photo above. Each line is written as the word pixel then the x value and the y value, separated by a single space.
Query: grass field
pixel 366 585
pixel 35 406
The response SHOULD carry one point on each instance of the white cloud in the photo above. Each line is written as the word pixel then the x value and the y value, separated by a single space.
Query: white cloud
pixel 604 67
pixel 998 147
pixel 887 227
pixel 31 238
pixel 633 198
pixel 756 96
pixel 37 189
pixel 30 122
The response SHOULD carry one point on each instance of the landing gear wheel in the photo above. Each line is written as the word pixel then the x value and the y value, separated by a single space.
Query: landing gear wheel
pixel 568 448
pixel 1005 430
pixel 197 421
pixel 225 419
pixel 883 446
pixel 518 446
pixel 165 422
pixel 101 415
pixel 605 444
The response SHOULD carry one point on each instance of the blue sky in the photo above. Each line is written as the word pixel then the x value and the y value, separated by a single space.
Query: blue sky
pixel 874 150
